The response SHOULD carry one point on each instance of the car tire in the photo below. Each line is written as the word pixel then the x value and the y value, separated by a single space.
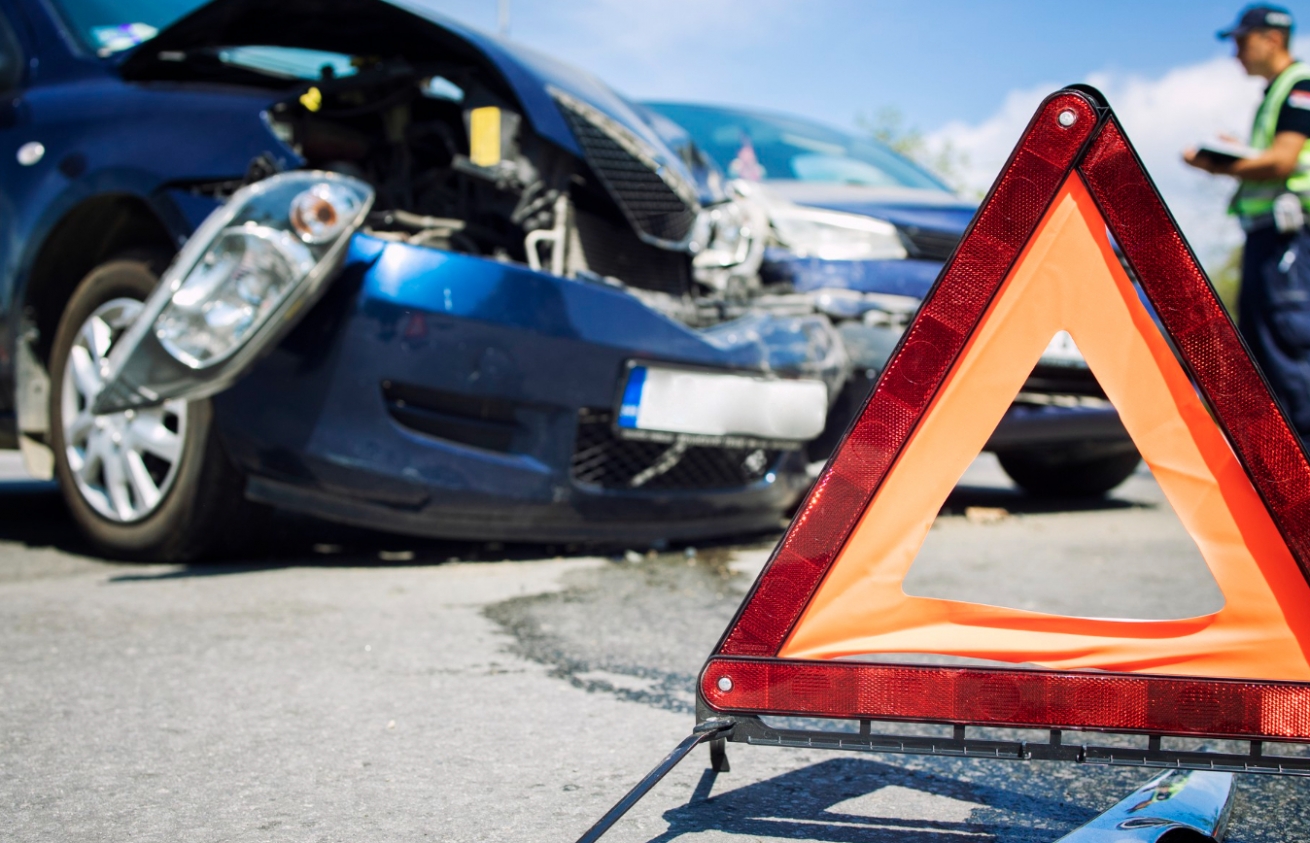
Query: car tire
pixel 1069 472
pixel 106 465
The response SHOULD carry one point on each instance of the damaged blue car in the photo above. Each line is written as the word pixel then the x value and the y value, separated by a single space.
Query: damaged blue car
pixel 352 259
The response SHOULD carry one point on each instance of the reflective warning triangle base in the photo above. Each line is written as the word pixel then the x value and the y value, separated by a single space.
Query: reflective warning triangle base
pixel 1038 259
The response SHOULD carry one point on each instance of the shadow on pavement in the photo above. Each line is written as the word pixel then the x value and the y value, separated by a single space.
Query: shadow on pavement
pixel 837 801
pixel 32 513
pixel 293 541
pixel 1020 503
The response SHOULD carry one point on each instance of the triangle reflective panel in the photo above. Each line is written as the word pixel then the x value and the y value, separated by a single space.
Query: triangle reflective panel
pixel 1038 259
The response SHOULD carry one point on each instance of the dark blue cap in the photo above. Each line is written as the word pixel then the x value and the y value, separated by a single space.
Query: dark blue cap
pixel 1259 17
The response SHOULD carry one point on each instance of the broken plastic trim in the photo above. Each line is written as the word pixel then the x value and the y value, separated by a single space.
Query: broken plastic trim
pixel 141 370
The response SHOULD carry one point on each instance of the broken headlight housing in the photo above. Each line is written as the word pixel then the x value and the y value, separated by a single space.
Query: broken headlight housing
pixel 235 288
pixel 244 275
pixel 833 235
pixel 728 242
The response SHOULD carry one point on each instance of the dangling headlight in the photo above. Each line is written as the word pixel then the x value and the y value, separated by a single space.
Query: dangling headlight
pixel 278 235
pixel 835 236
pixel 235 287
pixel 245 275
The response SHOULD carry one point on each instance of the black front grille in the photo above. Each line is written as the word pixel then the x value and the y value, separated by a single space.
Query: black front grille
pixel 602 459
pixel 927 244
pixel 648 202
pixel 611 249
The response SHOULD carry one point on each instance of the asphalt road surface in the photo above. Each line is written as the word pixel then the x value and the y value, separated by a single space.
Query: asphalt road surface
pixel 341 686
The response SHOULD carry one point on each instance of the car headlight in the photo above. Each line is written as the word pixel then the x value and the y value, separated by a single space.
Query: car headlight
pixel 728 242
pixel 243 276
pixel 833 235
pixel 274 242
pixel 235 288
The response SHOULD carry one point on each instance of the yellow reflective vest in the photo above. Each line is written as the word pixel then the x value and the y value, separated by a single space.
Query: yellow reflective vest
pixel 1254 201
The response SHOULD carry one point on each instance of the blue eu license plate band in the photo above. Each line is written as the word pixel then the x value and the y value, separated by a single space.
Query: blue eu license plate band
pixel 632 397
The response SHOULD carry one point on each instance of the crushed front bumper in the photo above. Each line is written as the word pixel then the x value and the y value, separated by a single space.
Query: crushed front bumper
pixel 446 395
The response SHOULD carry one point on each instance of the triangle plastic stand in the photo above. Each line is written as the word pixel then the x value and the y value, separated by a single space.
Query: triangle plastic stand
pixel 1037 259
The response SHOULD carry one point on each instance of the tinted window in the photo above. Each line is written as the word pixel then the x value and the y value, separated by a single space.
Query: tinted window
pixel 11 57
pixel 761 147
pixel 108 26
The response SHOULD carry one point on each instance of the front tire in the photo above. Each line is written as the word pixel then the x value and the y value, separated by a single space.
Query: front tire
pixel 151 484
pixel 1070 472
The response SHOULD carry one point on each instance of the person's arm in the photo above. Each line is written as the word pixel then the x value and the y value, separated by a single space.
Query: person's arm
pixel 1274 164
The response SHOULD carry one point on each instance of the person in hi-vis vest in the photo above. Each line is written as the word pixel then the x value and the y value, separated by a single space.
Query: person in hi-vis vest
pixel 1273 205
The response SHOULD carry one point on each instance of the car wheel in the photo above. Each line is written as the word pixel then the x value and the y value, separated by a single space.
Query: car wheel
pixel 151 483
pixel 1069 472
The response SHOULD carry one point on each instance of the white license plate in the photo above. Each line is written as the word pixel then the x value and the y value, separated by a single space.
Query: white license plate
pixel 683 401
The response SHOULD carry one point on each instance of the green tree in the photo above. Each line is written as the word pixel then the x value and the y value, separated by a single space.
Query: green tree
pixel 888 126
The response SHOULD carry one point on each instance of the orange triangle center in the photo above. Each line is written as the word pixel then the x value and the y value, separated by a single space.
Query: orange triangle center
pixel 1069 278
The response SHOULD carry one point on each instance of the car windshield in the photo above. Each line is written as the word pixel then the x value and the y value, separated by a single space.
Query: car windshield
pixel 110 26
pixel 759 147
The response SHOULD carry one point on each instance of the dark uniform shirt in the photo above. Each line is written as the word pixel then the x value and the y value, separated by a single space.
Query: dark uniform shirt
pixel 1295 114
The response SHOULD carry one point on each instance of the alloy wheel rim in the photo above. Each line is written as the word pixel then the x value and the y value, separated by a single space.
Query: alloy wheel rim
pixel 122 463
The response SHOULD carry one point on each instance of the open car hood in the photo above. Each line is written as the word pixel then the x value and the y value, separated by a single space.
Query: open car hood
pixel 409 29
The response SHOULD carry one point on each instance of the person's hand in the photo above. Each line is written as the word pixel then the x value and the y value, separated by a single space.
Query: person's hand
pixel 1194 158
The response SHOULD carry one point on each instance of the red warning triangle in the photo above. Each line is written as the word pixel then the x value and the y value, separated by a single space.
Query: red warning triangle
pixel 1038 260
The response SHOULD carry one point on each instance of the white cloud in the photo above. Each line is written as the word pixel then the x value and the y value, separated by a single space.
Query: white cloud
pixel 1162 116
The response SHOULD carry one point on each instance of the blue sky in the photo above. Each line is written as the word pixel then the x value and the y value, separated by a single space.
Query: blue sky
pixel 833 59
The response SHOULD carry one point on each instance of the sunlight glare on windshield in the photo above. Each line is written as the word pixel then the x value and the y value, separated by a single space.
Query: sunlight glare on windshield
pixel 111 26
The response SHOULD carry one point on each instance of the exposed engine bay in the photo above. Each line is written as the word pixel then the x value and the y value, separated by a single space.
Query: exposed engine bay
pixel 456 167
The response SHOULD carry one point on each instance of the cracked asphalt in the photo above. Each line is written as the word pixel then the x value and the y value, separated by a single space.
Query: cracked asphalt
pixel 338 685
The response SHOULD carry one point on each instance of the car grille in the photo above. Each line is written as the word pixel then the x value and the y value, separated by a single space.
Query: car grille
pixel 659 206
pixel 602 459
pixel 611 249
pixel 927 244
